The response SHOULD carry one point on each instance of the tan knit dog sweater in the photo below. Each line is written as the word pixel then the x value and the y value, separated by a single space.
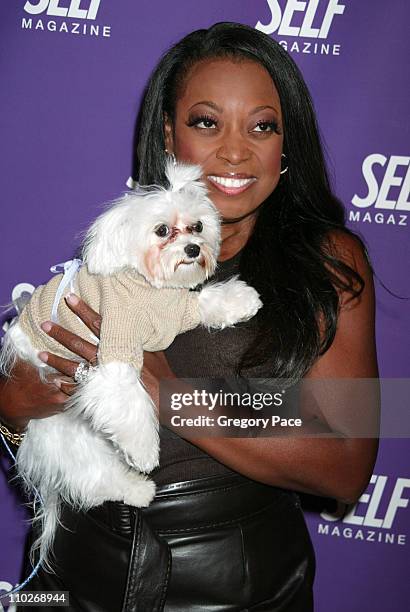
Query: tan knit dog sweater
pixel 135 315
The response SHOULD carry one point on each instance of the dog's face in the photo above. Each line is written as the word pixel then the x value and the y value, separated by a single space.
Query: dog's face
pixel 178 239
pixel 180 242
pixel 171 237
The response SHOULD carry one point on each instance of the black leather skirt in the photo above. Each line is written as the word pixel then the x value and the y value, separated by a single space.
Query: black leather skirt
pixel 215 544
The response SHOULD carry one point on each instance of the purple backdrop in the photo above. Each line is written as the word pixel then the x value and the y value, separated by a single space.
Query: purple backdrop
pixel 72 77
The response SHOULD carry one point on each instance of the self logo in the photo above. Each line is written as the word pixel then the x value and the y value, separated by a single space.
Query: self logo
pixel 384 177
pixel 43 12
pixel 317 20
pixel 377 522
pixel 76 10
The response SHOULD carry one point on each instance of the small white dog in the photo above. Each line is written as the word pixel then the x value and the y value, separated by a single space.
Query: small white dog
pixel 141 258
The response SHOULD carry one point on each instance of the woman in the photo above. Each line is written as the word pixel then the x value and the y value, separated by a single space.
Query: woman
pixel 225 532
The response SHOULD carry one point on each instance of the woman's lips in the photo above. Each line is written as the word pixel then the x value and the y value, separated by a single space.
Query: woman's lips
pixel 231 185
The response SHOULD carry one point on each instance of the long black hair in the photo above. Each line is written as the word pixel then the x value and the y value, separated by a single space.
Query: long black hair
pixel 289 257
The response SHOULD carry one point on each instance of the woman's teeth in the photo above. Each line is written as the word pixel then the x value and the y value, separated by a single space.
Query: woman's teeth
pixel 231 186
pixel 231 182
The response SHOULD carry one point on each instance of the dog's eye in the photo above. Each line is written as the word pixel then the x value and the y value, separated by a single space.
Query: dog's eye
pixel 162 231
pixel 198 227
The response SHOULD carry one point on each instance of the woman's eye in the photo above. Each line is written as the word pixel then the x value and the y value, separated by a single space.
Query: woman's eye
pixel 206 123
pixel 203 122
pixel 266 126
pixel 162 230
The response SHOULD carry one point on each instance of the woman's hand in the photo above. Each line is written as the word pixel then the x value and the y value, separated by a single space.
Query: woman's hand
pixel 23 396
pixel 84 349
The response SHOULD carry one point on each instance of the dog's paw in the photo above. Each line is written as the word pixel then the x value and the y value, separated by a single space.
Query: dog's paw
pixel 143 463
pixel 140 492
pixel 143 458
pixel 246 304
pixel 224 304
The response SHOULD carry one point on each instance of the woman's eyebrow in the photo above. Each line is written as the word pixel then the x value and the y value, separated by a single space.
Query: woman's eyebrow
pixel 207 103
pixel 217 108
pixel 263 107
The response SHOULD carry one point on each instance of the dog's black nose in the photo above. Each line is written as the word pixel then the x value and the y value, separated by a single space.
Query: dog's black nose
pixel 192 250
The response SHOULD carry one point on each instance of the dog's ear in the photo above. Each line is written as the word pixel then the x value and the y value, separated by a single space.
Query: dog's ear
pixel 184 176
pixel 106 247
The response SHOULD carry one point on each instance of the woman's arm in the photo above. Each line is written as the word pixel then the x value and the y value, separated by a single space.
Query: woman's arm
pixel 24 396
pixel 336 466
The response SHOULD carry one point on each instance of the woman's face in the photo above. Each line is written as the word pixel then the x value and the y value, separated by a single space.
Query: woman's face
pixel 228 119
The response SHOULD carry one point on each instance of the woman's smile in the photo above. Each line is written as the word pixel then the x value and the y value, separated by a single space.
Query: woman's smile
pixel 231 184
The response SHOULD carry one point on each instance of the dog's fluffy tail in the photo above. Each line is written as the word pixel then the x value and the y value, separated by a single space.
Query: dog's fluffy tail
pixel 45 521
pixel 32 473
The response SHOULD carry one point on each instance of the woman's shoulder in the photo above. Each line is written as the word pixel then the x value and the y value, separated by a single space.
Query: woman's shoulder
pixel 348 248
pixel 352 353
pixel 351 251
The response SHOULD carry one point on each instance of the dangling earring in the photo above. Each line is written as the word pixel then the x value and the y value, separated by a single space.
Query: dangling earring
pixel 171 157
pixel 287 167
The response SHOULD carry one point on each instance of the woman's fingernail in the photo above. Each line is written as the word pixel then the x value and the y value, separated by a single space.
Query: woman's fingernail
pixel 46 326
pixel 72 299
pixel 43 356
pixel 57 383
pixel 97 323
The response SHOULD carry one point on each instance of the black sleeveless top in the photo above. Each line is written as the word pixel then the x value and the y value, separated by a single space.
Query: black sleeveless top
pixel 200 353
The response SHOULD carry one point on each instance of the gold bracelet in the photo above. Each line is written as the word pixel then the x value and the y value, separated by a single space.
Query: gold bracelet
pixel 13 437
